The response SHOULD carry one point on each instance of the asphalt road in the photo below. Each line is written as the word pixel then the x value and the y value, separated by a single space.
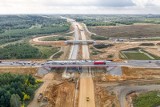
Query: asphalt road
pixel 75 47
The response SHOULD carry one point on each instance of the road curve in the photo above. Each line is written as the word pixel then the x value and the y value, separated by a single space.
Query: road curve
pixel 124 90
pixel 38 41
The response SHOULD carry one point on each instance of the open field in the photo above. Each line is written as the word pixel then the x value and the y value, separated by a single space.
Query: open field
pixel 136 55
pixel 47 51
pixel 150 30
pixel 19 70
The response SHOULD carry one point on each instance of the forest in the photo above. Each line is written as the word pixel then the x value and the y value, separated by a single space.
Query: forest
pixel 13 28
pixel 19 51
pixel 113 20
pixel 16 89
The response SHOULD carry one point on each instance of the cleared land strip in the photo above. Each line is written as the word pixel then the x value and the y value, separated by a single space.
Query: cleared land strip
pixel 86 94
pixel 86 90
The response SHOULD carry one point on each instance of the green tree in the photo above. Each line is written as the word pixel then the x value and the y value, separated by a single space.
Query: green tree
pixel 2 100
pixel 15 100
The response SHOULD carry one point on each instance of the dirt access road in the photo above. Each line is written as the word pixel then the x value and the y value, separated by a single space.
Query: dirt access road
pixel 47 79
pixel 124 90
pixel 38 41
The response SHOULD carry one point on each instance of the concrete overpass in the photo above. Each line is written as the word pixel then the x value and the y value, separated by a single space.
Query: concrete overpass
pixel 83 42
pixel 90 63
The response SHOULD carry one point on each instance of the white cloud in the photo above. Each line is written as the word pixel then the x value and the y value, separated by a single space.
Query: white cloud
pixel 79 6
pixel 144 3
pixel 141 3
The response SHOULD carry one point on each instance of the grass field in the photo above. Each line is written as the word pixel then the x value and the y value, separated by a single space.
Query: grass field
pixel 149 99
pixel 47 51
pixel 137 54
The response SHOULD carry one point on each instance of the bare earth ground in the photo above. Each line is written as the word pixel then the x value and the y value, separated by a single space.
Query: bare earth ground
pixel 153 51
pixel 105 98
pixel 127 31
pixel 85 92
pixel 66 50
pixel 47 79
pixel 114 50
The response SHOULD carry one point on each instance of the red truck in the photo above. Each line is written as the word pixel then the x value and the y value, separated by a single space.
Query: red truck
pixel 99 63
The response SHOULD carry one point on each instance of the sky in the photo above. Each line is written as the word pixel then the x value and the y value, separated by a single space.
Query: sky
pixel 79 6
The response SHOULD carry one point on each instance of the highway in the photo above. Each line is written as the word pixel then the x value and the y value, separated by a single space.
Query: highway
pixel 85 50
pixel 75 47
pixel 86 91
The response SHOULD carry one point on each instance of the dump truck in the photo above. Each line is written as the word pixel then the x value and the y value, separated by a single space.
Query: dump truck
pixel 87 98
pixel 40 97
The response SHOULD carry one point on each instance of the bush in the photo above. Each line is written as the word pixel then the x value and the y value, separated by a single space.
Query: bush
pixel 110 56
pixel 100 46
pixel 96 37
pixel 55 38
pixel 147 44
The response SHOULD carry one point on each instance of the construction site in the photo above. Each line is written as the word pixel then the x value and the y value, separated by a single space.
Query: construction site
pixel 90 86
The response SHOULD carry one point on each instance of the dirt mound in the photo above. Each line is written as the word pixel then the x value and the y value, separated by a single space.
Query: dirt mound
pixel 61 95
pixel 132 72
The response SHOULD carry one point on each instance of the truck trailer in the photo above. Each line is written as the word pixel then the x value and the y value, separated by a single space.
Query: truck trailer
pixel 99 62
